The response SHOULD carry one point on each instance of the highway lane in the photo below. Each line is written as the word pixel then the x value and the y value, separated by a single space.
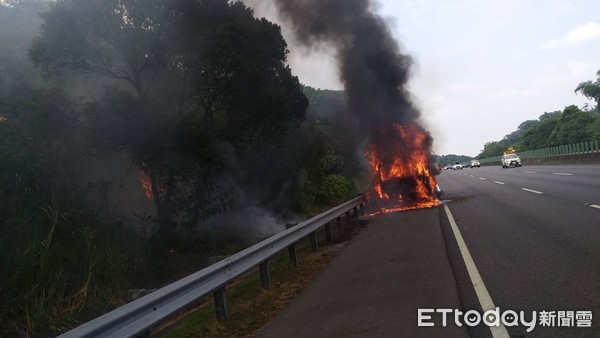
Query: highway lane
pixel 576 183
pixel 536 249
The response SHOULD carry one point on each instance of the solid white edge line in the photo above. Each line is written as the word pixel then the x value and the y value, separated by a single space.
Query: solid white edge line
pixel 533 191
pixel 498 182
pixel 485 300
pixel 594 206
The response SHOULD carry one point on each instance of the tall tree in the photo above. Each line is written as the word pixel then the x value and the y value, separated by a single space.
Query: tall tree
pixel 590 89
pixel 20 21
pixel 572 127
pixel 121 39
pixel 491 149
pixel 538 136
pixel 202 73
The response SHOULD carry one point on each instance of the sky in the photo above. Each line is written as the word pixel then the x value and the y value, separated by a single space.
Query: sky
pixel 481 67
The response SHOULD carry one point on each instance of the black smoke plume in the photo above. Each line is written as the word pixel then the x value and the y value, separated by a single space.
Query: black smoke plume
pixel 372 68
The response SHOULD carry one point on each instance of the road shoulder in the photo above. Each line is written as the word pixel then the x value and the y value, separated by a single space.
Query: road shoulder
pixel 377 284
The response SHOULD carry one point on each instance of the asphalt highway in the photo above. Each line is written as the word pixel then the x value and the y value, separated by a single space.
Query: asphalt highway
pixel 375 286
pixel 534 234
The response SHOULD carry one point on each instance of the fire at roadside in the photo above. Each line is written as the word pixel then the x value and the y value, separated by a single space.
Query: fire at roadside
pixel 375 75
pixel 402 175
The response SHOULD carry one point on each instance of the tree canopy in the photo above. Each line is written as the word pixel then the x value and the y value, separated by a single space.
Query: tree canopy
pixel 590 89
pixel 201 74
pixel 571 125
pixel 127 125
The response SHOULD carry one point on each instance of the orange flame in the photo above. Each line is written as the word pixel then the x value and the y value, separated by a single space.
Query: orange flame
pixel 404 181
pixel 146 184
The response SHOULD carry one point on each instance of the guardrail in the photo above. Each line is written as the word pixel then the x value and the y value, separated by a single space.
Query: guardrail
pixel 143 314
pixel 570 149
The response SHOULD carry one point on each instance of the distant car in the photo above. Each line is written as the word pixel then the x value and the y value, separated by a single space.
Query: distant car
pixel 457 166
pixel 475 163
pixel 511 160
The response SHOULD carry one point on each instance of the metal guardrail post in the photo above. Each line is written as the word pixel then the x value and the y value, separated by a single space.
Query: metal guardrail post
pixel 362 209
pixel 265 276
pixel 293 255
pixel 355 212
pixel 328 232
pixel 348 217
pixel 339 225
pixel 221 305
pixel 141 315
pixel 314 245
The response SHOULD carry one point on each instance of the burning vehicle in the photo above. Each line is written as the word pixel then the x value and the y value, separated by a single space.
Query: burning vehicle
pixel 404 189
pixel 403 179
pixel 375 74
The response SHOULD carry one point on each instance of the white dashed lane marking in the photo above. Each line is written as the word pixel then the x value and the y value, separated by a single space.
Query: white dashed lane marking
pixel 533 191
pixel 529 172
pixel 563 174
pixel 594 206
pixel 498 182
pixel 482 178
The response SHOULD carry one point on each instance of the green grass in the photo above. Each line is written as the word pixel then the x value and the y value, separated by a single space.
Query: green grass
pixel 54 265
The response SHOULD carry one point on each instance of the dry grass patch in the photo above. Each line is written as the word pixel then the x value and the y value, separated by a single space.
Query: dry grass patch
pixel 250 306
